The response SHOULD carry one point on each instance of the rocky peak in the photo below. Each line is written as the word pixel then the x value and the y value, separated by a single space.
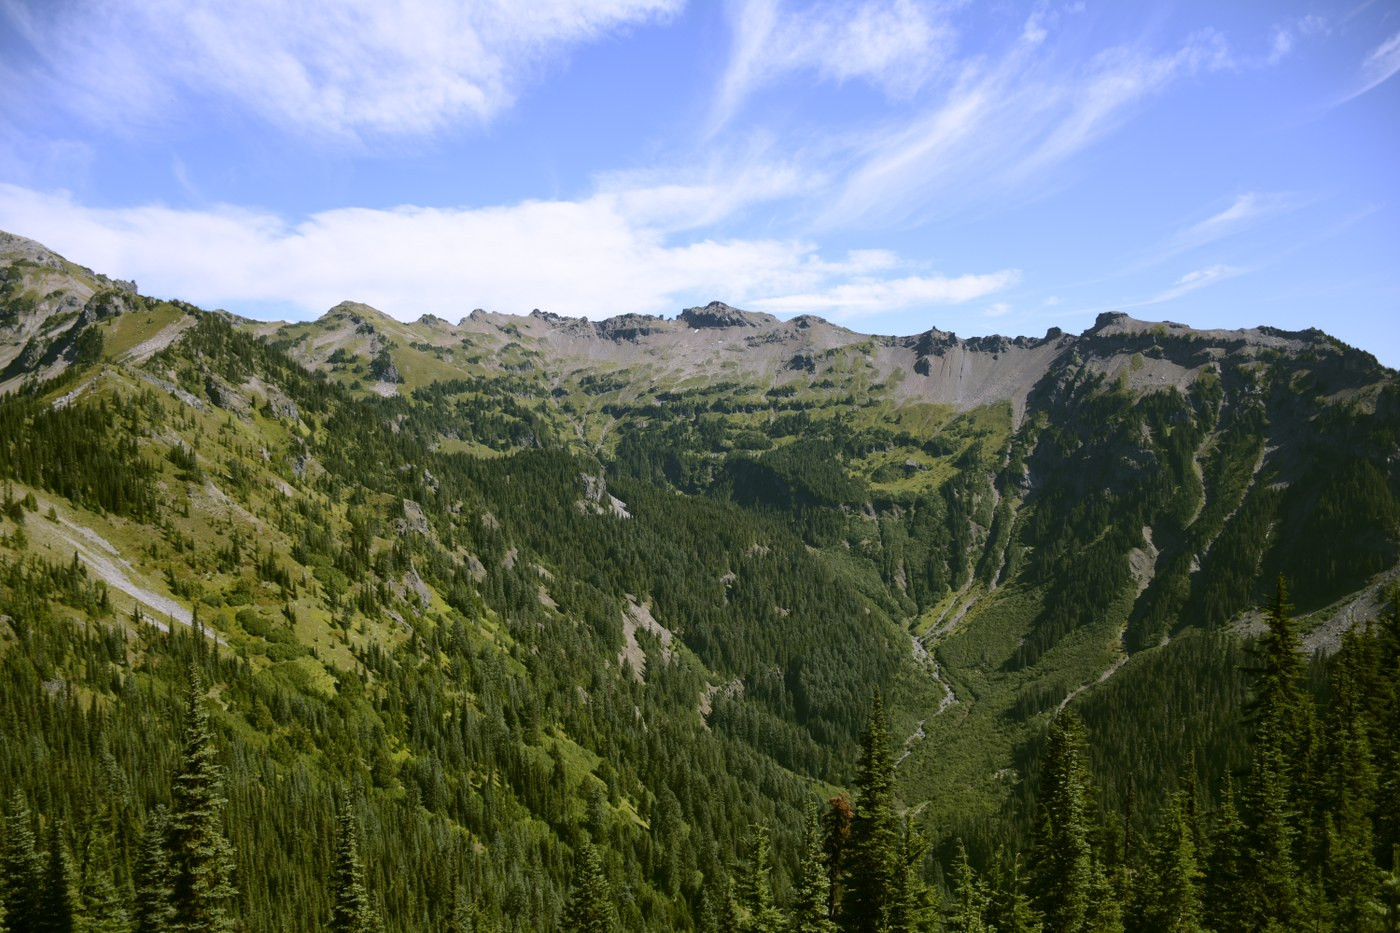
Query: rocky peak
pixel 628 326
pixel 1108 319
pixel 719 314
pixel 14 247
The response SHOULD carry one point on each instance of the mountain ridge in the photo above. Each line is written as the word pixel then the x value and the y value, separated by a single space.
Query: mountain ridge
pixel 478 513
pixel 963 372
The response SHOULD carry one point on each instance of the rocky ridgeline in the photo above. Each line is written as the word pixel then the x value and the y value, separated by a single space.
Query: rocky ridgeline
pixel 715 340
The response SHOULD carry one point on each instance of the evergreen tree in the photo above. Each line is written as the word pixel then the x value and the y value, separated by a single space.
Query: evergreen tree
pixel 1285 714
pixel 711 908
pixel 756 889
pixel 590 906
pixel 836 838
pixel 1384 695
pixel 1010 910
pixel 915 908
pixel 1271 890
pixel 732 914
pixel 972 901
pixel 1167 894
pixel 351 910
pixel 811 912
pixel 1105 899
pixel 102 906
pixel 21 870
pixel 872 874
pixel 155 911
pixel 1390 893
pixel 1352 878
pixel 201 857
pixel 56 900
pixel 1063 876
pixel 464 912
pixel 1224 888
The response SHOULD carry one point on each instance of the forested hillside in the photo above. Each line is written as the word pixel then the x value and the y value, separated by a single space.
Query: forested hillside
pixel 715 622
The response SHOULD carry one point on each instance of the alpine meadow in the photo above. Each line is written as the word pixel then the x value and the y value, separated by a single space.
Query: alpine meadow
pixel 669 466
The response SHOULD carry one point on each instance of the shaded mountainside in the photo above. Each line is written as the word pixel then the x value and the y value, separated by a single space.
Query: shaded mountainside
pixel 519 582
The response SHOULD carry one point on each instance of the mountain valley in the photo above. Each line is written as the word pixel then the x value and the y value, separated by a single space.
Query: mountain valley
pixel 521 586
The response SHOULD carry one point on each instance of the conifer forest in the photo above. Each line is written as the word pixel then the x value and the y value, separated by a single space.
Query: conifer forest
pixel 714 623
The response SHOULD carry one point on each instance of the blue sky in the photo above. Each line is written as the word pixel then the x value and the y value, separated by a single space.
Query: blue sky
pixel 890 165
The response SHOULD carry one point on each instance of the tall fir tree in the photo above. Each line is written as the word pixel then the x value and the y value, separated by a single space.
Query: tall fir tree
pixel 1390 893
pixel 56 901
pixel 102 905
pixel 1105 898
pixel 200 854
pixel 1010 910
pixel 756 888
pixel 836 839
pixel 464 911
pixel 1383 694
pixel 1062 868
pixel 590 907
pixel 732 915
pixel 711 908
pixel 812 911
pixel 155 911
pixel 1351 875
pixel 1167 892
pixel 971 900
pixel 871 881
pixel 1273 892
pixel 351 908
pixel 915 908
pixel 21 870
pixel 1284 712
pixel 1270 891
pixel 1226 870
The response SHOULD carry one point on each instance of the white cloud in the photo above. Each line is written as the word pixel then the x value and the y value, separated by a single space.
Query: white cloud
pixel 893 44
pixel 1285 36
pixel 335 67
pixel 588 257
pixel 1117 79
pixel 999 309
pixel 1005 122
pixel 1244 211
pixel 1198 279
pixel 870 296
pixel 1281 45
pixel 691 197
pixel 1380 66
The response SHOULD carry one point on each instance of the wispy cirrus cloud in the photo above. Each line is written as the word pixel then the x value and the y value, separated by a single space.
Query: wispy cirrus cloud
pixel 894 45
pixel 1379 66
pixel 598 256
pixel 1197 279
pixel 338 68
pixel 1005 121
pixel 1243 212
pixel 711 189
